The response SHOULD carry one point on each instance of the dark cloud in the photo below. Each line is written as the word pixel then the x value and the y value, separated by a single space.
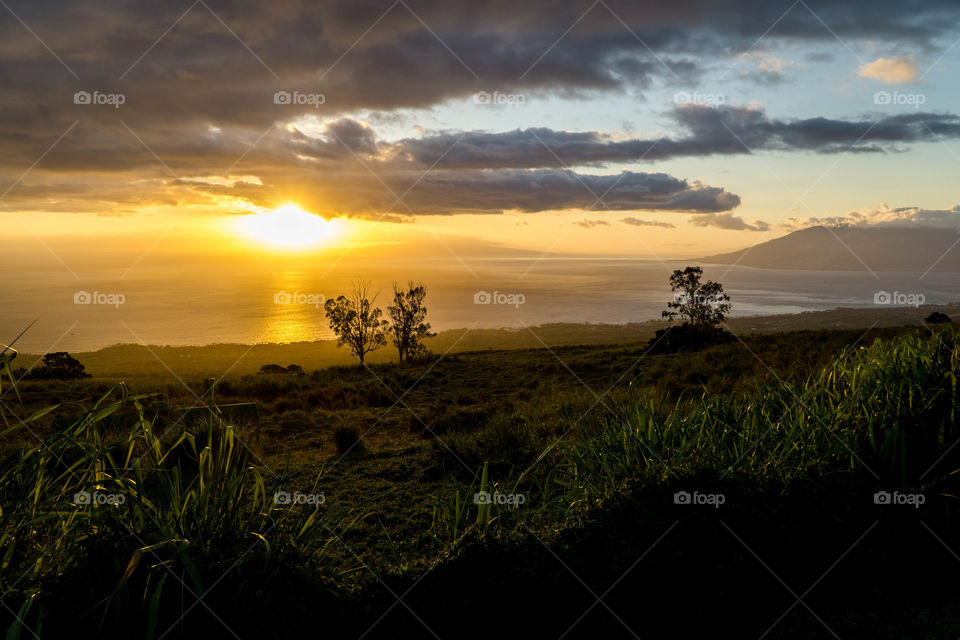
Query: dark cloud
pixel 199 86
pixel 530 191
pixel 709 131
pixel 224 64
pixel 525 170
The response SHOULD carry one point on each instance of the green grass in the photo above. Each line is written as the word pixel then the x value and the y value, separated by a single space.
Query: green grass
pixel 188 506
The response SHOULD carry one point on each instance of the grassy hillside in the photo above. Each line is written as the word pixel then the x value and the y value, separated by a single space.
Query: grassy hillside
pixel 780 444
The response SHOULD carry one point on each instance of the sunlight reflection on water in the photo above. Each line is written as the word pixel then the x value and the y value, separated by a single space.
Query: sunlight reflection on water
pixel 249 304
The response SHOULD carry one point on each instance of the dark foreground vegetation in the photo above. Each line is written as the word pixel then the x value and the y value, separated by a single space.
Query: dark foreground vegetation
pixel 798 485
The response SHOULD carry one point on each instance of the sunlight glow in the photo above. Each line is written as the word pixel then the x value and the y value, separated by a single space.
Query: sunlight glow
pixel 288 227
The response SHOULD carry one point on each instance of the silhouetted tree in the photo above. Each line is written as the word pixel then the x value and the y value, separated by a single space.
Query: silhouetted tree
pixel 408 314
pixel 59 365
pixel 356 322
pixel 701 305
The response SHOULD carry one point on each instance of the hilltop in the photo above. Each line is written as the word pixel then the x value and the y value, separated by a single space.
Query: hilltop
pixel 852 249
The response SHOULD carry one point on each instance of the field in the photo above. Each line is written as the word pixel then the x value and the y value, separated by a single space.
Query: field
pixel 592 490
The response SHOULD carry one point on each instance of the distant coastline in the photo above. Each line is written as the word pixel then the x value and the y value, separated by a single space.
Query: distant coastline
pixel 132 360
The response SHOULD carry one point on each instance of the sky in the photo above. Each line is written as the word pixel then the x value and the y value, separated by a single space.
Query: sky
pixel 635 128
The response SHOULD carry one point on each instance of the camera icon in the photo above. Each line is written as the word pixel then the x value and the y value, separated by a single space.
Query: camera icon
pixel 482 497
pixel 882 497
pixel 82 297
pixel 82 497
pixel 282 97
pixel 82 97
pixel 282 297
pixel 882 297
pixel 681 497
pixel 282 497
pixel 481 97
pixel 681 97
pixel 482 297
pixel 882 97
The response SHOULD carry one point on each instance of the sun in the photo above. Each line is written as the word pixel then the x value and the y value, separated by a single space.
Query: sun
pixel 288 227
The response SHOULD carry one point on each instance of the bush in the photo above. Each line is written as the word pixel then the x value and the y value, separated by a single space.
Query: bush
pixel 59 365
pixel 688 337
pixel 347 439
pixel 276 369
pixel 937 318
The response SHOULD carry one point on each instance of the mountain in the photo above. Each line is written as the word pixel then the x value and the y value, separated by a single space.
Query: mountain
pixel 853 249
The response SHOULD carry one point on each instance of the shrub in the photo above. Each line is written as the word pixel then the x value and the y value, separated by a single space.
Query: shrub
pixel 937 318
pixel 688 337
pixel 347 439
pixel 276 369
pixel 59 365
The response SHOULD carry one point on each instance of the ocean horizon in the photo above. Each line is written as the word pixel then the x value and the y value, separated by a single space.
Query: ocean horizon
pixel 198 304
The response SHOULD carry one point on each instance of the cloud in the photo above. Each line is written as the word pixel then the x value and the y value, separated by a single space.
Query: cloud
pixel 765 68
pixel 588 224
pixel 355 136
pixel 725 130
pixel 198 99
pixel 728 221
pixel 552 190
pixel 636 222
pixel 341 167
pixel 885 216
pixel 890 70
pixel 744 129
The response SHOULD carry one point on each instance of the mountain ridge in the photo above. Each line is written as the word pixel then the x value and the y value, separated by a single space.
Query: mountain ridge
pixel 847 248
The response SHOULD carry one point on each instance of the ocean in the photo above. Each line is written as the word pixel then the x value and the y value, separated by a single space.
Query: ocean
pixel 184 302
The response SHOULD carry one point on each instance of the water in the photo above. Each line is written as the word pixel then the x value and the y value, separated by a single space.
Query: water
pixel 194 301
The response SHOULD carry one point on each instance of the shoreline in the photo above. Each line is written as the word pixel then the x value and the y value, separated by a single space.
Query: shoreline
pixel 235 359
